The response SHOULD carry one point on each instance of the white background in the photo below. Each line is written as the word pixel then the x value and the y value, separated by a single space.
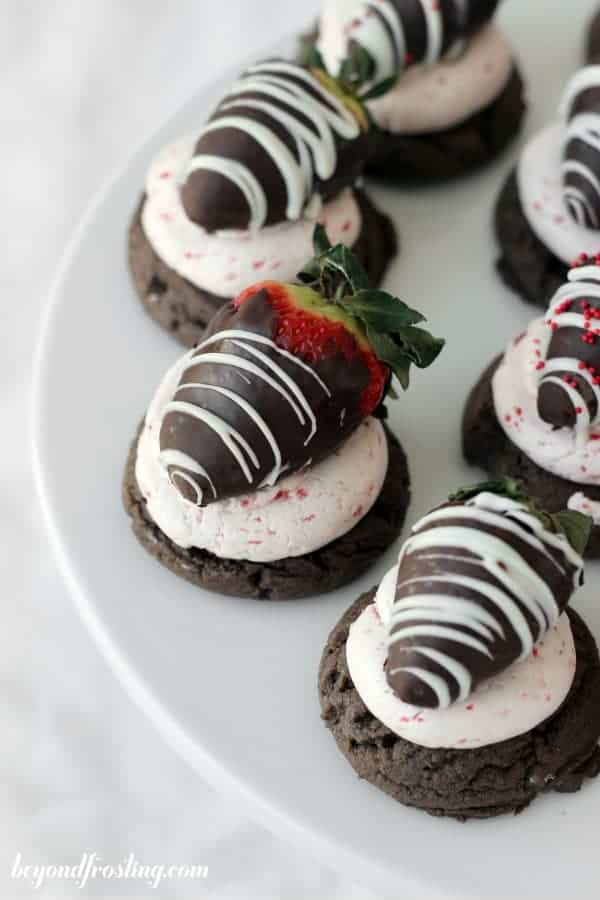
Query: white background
pixel 82 83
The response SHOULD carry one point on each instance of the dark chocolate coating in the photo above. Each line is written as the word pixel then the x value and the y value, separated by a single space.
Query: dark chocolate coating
pixel 554 404
pixel 583 183
pixel 504 644
pixel 216 203
pixel 458 24
pixel 333 397
pixel 478 13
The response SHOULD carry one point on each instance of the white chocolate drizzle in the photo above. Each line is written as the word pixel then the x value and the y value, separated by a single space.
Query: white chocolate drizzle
pixel 264 369
pixel 582 284
pixel 501 576
pixel 581 178
pixel 276 87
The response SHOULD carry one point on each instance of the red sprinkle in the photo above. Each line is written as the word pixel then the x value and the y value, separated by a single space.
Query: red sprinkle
pixel 470 706
pixel 281 495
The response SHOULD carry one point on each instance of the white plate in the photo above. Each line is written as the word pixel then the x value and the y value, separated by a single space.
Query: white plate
pixel 232 684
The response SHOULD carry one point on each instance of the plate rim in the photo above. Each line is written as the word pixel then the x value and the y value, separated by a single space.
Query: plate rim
pixel 322 846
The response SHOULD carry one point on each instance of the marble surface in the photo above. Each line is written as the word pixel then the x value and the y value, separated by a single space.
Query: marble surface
pixel 82 82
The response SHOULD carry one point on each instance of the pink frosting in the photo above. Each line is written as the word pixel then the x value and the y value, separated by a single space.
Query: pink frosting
pixel 501 708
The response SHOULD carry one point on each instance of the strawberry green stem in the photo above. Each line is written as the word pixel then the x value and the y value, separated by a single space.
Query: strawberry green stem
pixel 385 321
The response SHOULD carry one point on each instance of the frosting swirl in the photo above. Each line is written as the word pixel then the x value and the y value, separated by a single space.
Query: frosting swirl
pixel 226 263
pixel 546 390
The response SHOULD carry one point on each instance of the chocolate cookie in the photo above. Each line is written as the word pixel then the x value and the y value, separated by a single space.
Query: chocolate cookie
pixel 466 784
pixel 184 310
pixel 525 264
pixel 326 569
pixel 592 48
pixel 456 151
pixel 486 444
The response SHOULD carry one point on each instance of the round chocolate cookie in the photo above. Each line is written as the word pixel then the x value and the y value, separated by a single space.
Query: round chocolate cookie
pixel 455 151
pixel 466 784
pixel 592 47
pixel 485 444
pixel 334 565
pixel 525 264
pixel 184 309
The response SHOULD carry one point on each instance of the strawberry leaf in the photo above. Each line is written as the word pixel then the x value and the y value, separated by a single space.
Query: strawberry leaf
pixel 386 321
pixel 311 58
pixel 381 311
pixel 403 347
pixel 356 69
pixel 379 89
pixel 334 271
pixel 506 487
pixel 575 526
pixel 390 353
pixel 420 346
pixel 321 243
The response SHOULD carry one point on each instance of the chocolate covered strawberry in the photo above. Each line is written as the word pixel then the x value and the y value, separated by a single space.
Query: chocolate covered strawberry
pixel 284 139
pixel 285 373
pixel 481 581
pixel 569 352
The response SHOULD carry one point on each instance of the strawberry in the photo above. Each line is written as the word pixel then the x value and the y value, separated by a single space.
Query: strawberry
pixel 482 580
pixel 285 373
pixel 311 329
pixel 285 136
